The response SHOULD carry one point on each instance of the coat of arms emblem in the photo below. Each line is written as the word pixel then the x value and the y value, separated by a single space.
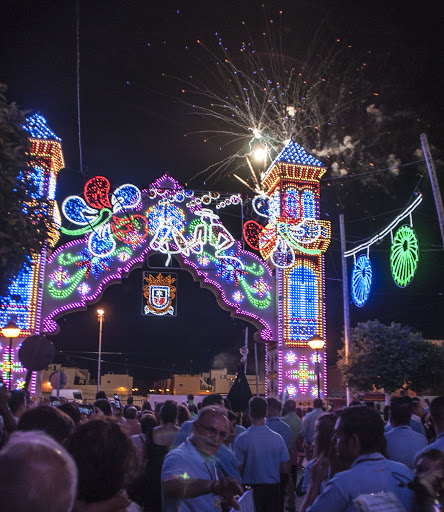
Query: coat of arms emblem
pixel 159 294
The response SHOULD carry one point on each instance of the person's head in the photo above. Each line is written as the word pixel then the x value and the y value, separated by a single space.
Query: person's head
pixel 317 404
pixel 417 408
pixel 157 409
pixel 104 457
pixel 274 407
pixel 289 406
pixel 48 419
pixel 17 402
pixel 437 413
pixel 227 404
pixel 299 412
pixel 190 397
pixel 214 399
pixel 199 406
pixel 183 414
pixel 72 410
pixel 353 403
pixel 168 413
pixel 210 429
pixel 100 394
pixel 147 424
pixel 400 411
pixel 130 413
pixel 130 400
pixel 257 407
pixel 146 406
pixel 323 436
pixel 429 475
pixel 36 473
pixel 386 412
pixel 358 430
pixel 232 419
pixel 104 406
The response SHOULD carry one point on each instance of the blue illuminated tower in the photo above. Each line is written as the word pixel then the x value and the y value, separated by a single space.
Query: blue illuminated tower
pixel 292 183
pixel 24 298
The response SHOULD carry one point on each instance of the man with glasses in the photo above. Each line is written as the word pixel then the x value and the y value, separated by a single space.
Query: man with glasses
pixel 262 456
pixel 190 480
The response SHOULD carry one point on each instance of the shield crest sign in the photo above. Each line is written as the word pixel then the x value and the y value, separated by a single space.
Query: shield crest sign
pixel 159 294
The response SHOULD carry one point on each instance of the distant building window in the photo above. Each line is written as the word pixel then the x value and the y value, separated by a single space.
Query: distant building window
pixel 180 384
pixel 108 382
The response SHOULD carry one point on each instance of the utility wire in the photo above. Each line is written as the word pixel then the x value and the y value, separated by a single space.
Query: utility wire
pixel 78 86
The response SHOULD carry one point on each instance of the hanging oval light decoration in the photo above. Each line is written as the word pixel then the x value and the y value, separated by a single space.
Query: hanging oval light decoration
pixel 361 280
pixel 404 256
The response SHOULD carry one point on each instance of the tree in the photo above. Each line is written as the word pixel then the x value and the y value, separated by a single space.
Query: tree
pixel 391 357
pixel 23 223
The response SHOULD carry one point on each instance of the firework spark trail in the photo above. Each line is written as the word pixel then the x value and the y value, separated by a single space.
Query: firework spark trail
pixel 267 103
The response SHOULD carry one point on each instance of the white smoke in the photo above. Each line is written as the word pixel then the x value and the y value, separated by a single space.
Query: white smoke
pixel 393 162
pixel 337 147
pixel 224 360
pixel 419 153
pixel 375 112
pixel 337 171
pixel 291 111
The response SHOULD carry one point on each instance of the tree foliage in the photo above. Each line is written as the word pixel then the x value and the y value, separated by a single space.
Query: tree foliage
pixel 23 223
pixel 391 357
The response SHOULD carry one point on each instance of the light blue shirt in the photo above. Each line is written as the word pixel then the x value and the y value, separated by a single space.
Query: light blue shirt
pixel 308 425
pixel 280 427
pixel 187 462
pixel 369 473
pixel 437 445
pixel 403 444
pixel 415 425
pixel 260 452
pixel 225 460
pixel 295 423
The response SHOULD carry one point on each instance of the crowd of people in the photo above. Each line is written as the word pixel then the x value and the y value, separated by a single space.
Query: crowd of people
pixel 183 457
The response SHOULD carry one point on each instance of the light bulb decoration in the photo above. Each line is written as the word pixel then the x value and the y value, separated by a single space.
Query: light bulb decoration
pixel 110 239
pixel 361 280
pixel 105 217
pixel 294 239
pixel 404 256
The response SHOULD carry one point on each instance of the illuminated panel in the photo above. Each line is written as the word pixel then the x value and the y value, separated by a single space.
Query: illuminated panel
pixel 308 203
pixel 302 308
pixel 404 256
pixel 177 222
pixel 38 128
pixel 295 154
pixel 361 280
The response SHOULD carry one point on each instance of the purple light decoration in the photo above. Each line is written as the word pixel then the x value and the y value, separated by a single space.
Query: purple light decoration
pixel 53 308
pixel 280 328
pixel 49 323
pixel 267 332
pixel 166 186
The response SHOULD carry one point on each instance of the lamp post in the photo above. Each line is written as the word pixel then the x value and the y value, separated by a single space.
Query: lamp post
pixel 100 314
pixel 317 343
pixel 10 330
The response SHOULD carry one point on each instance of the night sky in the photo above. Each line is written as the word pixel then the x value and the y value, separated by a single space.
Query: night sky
pixel 135 127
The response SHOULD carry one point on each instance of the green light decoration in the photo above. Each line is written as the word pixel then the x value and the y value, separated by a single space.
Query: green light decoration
pixel 404 256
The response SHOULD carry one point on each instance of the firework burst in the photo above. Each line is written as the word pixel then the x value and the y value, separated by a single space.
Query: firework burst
pixel 261 99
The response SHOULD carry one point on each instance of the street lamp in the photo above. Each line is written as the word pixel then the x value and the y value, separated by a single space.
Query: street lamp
pixel 10 330
pixel 317 343
pixel 101 315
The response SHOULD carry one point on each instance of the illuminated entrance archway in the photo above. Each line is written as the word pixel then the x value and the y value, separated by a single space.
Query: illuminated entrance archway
pixel 281 292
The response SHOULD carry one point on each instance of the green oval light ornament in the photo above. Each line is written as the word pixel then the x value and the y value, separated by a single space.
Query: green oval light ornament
pixel 404 256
